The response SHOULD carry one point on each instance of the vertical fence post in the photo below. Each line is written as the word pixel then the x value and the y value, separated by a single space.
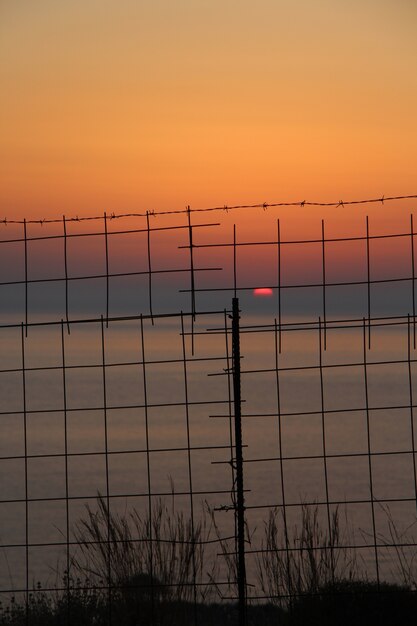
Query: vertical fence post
pixel 240 502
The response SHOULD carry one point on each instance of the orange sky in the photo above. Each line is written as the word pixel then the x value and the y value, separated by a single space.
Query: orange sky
pixel 133 104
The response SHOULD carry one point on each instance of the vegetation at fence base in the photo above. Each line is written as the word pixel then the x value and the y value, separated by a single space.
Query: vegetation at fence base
pixel 299 561
pixel 313 572
pixel 152 570
pixel 342 604
pixel 159 555
pixel 91 609
pixel 362 603
pixel 79 604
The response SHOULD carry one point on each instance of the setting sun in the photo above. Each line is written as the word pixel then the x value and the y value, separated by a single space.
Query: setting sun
pixel 262 291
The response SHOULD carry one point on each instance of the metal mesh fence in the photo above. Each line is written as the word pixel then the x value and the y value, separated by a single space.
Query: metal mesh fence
pixel 133 480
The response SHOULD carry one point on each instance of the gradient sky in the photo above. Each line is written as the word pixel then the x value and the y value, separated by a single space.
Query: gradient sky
pixel 134 104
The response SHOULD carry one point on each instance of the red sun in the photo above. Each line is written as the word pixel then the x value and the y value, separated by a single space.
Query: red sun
pixel 262 291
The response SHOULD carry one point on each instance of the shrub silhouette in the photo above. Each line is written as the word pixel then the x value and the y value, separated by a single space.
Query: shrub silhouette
pixel 362 603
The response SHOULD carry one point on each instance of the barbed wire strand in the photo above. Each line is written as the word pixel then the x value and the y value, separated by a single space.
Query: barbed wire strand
pixel 261 205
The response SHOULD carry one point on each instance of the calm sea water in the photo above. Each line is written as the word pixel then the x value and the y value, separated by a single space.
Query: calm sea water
pixel 301 433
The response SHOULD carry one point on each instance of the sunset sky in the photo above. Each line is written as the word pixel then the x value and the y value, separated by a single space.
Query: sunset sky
pixel 140 104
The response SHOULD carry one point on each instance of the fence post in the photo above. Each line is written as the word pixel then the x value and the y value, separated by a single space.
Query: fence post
pixel 240 502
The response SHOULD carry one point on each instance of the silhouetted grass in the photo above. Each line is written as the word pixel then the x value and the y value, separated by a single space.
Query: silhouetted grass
pixel 154 570
pixel 312 572
pixel 302 560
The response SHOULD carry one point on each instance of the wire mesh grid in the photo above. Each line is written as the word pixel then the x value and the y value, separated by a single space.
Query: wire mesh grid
pixel 120 455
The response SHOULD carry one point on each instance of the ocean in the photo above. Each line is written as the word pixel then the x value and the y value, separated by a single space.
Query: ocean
pixel 311 434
